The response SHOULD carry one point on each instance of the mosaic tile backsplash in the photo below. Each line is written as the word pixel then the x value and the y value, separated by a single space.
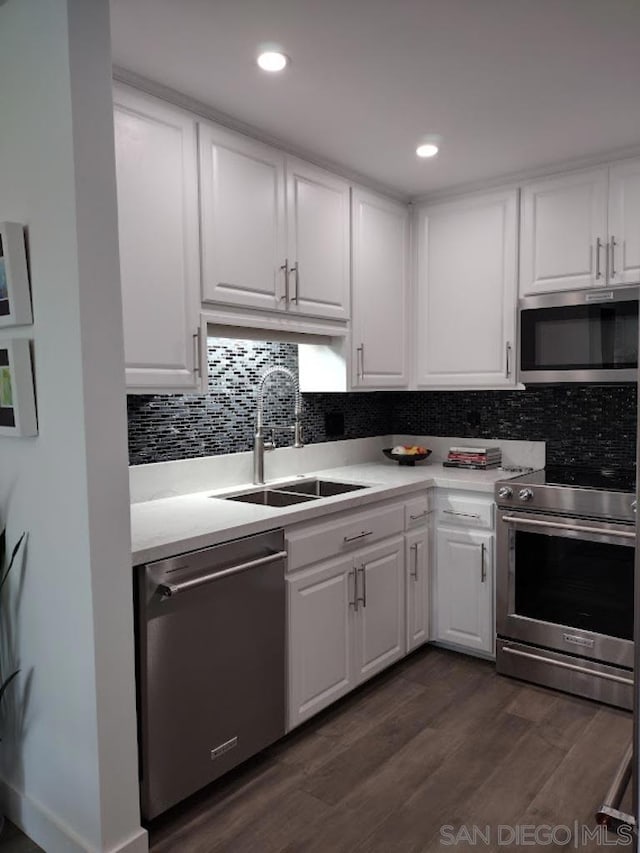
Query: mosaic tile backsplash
pixel 581 424
pixel 178 426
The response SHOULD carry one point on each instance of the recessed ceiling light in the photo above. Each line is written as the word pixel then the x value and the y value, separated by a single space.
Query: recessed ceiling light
pixel 272 60
pixel 427 149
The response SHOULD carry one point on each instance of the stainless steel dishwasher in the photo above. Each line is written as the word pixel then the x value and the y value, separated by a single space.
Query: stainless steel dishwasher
pixel 210 664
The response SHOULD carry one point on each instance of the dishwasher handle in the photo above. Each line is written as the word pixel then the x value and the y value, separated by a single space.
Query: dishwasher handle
pixel 167 590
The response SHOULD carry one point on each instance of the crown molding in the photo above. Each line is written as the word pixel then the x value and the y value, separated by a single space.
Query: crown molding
pixel 185 102
pixel 517 179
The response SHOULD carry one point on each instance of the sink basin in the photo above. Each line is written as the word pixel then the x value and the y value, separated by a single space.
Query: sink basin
pixel 319 488
pixel 269 497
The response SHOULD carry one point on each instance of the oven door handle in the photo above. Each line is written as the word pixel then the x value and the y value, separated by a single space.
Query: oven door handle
pixel 578 528
pixel 572 666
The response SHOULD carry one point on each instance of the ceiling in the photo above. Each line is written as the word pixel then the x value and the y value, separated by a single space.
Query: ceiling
pixel 510 85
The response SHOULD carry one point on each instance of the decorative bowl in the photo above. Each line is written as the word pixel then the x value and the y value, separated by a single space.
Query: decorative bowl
pixel 405 458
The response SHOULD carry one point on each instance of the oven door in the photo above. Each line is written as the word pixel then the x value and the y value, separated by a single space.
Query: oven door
pixel 566 584
pixel 579 337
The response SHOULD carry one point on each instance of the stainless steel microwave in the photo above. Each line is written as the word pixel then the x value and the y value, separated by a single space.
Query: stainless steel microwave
pixel 579 336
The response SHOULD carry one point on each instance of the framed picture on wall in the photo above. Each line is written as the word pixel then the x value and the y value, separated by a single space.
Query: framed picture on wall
pixel 17 399
pixel 15 298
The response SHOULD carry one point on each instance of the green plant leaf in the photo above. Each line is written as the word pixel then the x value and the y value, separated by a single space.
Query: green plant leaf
pixel 12 558
pixel 6 683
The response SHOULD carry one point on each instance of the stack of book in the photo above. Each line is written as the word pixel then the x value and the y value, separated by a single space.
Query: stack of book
pixel 481 458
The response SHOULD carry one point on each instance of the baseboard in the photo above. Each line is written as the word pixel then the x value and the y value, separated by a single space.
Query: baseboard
pixel 54 836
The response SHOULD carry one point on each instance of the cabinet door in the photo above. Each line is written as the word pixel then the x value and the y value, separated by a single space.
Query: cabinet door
pixel 318 242
pixel 417 586
pixel 467 292
pixel 464 567
pixel 380 292
pixel 320 613
pixel 380 618
pixel 563 233
pixel 242 208
pixel 156 171
pixel 624 223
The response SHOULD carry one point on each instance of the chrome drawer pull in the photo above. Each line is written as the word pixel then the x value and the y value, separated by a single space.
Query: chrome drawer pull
pixel 362 535
pixel 579 528
pixel 572 666
pixel 421 515
pixel 461 514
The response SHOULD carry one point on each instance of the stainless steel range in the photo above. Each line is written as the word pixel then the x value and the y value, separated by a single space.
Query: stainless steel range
pixel 565 565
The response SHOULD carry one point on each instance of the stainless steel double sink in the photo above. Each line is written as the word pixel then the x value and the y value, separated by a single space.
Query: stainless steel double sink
pixel 295 493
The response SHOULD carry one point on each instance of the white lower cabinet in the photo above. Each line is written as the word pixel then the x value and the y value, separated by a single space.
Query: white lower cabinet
pixel 464 579
pixel 380 618
pixel 346 623
pixel 417 578
pixel 320 614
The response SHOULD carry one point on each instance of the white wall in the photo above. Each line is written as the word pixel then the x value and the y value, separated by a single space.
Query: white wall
pixel 69 749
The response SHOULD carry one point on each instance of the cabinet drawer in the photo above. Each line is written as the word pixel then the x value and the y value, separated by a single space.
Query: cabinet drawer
pixel 416 512
pixel 463 511
pixel 315 542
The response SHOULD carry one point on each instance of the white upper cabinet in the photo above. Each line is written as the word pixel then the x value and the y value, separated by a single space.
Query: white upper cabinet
pixel 275 230
pixel 156 168
pixel 317 242
pixel 563 233
pixel 581 230
pixel 466 292
pixel 243 220
pixel 624 223
pixel 380 236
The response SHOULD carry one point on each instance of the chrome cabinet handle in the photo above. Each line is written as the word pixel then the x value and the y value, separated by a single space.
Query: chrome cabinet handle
pixel 579 528
pixel 167 590
pixel 363 597
pixel 612 265
pixel 197 369
pixel 364 585
pixel 414 573
pixel 360 361
pixel 285 270
pixel 508 368
pixel 598 247
pixel 362 535
pixel 634 506
pixel 483 569
pixel 354 603
pixel 296 269
pixel 460 514
pixel 420 515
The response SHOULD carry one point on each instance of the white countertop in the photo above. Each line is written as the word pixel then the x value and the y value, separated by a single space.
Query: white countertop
pixel 174 525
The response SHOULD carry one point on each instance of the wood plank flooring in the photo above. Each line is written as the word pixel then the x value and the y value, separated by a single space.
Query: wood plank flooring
pixel 438 740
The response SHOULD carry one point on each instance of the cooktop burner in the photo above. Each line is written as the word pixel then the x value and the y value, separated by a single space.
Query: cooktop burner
pixel 608 479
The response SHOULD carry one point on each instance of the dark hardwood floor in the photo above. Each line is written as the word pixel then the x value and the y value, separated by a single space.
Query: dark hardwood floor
pixel 438 740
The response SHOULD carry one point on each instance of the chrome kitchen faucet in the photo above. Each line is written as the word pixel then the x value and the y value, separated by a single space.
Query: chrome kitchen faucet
pixel 259 443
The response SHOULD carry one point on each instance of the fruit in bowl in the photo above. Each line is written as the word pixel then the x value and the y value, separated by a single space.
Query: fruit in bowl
pixel 407 454
pixel 408 449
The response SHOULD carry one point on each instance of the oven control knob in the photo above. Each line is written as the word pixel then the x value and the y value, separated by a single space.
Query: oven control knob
pixel 525 494
pixel 505 492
